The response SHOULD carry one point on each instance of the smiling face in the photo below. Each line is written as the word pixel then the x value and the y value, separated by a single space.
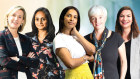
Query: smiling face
pixel 15 19
pixel 40 20
pixel 70 19
pixel 98 20
pixel 125 19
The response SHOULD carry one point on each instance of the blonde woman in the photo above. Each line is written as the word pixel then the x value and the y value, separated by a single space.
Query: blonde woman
pixel 16 52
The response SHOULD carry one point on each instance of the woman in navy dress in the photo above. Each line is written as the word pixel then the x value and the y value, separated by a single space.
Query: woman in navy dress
pixel 42 35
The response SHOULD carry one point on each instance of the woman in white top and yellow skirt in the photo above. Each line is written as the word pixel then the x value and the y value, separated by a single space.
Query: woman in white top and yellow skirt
pixel 73 50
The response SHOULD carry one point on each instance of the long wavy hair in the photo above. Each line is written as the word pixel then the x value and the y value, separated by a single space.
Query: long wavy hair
pixel 134 25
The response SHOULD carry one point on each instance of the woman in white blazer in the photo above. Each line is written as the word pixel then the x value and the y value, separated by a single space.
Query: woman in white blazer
pixel 127 26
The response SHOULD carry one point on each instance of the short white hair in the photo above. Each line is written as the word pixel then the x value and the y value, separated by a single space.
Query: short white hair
pixel 97 9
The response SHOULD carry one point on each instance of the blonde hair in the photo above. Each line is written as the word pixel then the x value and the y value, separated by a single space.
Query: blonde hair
pixel 12 10
pixel 96 9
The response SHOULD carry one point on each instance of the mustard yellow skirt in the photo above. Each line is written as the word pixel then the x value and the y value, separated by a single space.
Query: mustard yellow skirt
pixel 81 72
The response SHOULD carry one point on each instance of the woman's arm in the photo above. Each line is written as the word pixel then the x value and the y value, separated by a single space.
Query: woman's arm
pixel 31 60
pixel 70 62
pixel 89 48
pixel 30 55
pixel 123 60
pixel 6 61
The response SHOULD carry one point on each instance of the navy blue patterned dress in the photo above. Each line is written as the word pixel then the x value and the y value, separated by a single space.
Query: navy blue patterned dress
pixel 49 67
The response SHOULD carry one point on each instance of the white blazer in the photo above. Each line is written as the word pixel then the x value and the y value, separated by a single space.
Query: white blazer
pixel 135 58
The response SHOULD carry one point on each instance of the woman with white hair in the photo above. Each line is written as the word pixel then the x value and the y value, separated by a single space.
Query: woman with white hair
pixel 108 45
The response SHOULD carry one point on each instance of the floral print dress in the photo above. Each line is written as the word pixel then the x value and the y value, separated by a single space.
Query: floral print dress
pixel 49 67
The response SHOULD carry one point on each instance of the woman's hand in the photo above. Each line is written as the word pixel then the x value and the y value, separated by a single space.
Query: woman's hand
pixel 74 31
pixel 15 58
pixel 89 58
pixel 31 55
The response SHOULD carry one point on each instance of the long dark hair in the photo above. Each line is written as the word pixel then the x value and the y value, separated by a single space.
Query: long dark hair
pixel 134 25
pixel 50 26
pixel 61 18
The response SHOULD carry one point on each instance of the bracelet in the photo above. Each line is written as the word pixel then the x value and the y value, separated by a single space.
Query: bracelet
pixel 84 58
